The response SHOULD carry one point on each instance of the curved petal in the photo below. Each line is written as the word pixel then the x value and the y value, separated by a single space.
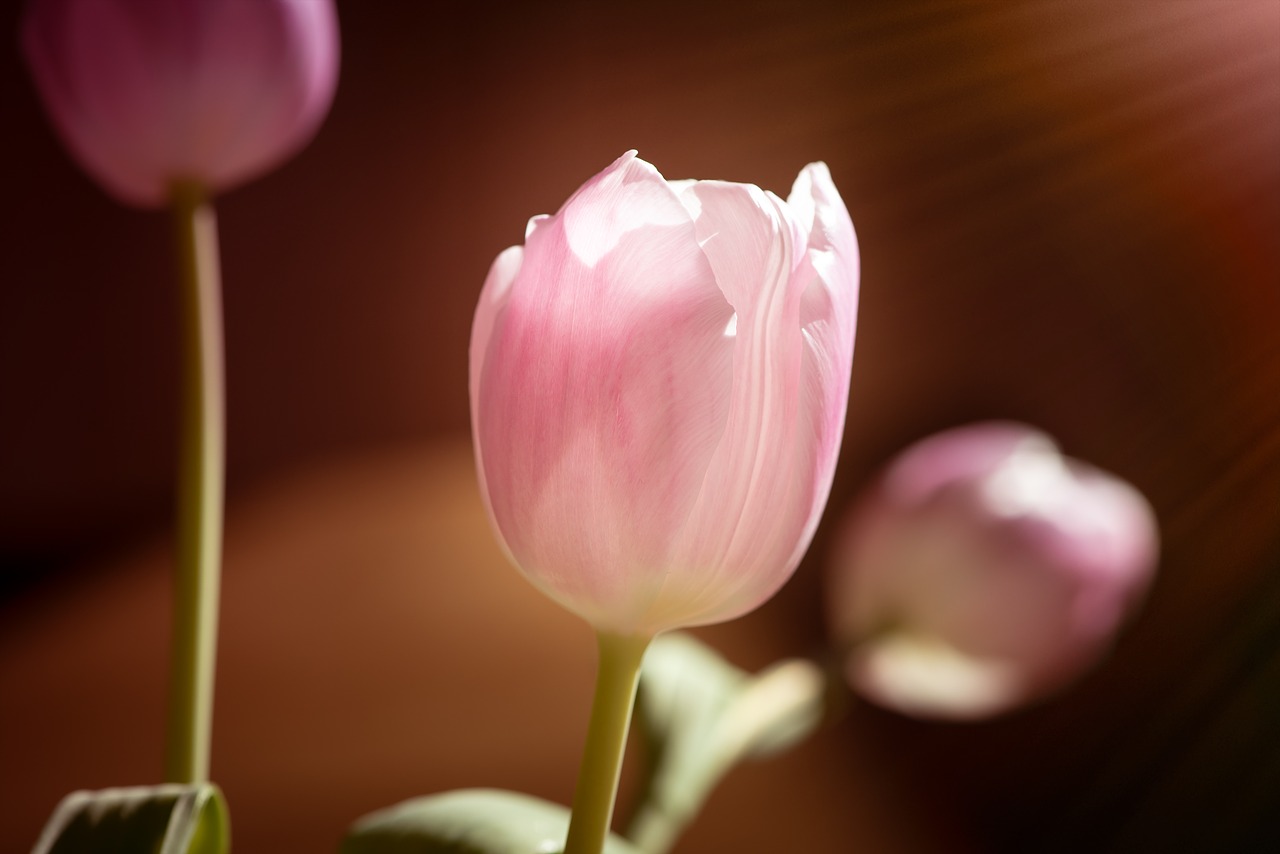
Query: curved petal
pixel 652 401
pixel 493 299
pixel 92 71
pixel 734 547
pixel 602 393
pixel 791 382
pixel 984 541
pixel 147 93
pixel 829 271
pixel 266 79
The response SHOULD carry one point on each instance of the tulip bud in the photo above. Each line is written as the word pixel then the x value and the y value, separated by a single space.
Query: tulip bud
pixel 658 387
pixel 985 570
pixel 147 93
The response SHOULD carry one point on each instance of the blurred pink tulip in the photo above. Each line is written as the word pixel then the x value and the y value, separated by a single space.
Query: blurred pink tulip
pixel 986 570
pixel 658 387
pixel 149 92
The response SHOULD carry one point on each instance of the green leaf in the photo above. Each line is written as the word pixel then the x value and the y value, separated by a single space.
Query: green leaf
pixel 685 687
pixel 468 821
pixel 776 710
pixel 167 819
pixel 700 716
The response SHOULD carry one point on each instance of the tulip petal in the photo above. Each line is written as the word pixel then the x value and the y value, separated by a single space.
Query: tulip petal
pixel 493 299
pixel 731 555
pixel 828 316
pixel 245 115
pixel 92 72
pixel 985 571
pixel 796 323
pixel 602 393
pixel 924 677
pixel 147 93
pixel 649 386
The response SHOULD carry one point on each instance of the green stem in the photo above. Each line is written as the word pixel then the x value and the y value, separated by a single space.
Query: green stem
pixel 200 490
pixel 616 680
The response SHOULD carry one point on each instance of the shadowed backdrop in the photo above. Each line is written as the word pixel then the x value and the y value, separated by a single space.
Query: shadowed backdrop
pixel 1069 214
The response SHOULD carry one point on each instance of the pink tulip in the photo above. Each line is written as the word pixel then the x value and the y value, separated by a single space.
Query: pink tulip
pixel 658 387
pixel 985 570
pixel 146 93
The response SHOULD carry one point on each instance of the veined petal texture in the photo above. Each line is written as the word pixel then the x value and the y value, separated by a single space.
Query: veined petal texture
pixel 646 379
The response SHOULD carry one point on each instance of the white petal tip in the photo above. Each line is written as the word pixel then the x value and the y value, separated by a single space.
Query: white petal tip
pixel 927 678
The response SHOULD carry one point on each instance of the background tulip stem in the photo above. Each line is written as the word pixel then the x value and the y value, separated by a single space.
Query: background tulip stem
pixel 616 681
pixel 200 490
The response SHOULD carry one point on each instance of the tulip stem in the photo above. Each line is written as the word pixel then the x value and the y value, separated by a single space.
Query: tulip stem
pixel 200 490
pixel 616 681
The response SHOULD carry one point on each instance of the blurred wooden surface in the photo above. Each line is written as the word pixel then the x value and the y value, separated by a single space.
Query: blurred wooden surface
pixel 1069 215
pixel 375 646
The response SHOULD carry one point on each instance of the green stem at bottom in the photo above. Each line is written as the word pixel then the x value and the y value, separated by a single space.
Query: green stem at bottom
pixel 616 681
pixel 200 490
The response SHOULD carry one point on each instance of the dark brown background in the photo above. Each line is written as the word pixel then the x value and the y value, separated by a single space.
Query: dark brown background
pixel 1069 214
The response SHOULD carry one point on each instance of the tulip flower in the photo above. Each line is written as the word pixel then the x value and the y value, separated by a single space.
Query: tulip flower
pixel 984 571
pixel 150 93
pixel 659 379
pixel 165 103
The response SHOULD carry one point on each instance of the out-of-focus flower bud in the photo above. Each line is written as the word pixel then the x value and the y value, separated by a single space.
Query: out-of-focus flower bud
pixel 148 93
pixel 985 570
pixel 658 387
